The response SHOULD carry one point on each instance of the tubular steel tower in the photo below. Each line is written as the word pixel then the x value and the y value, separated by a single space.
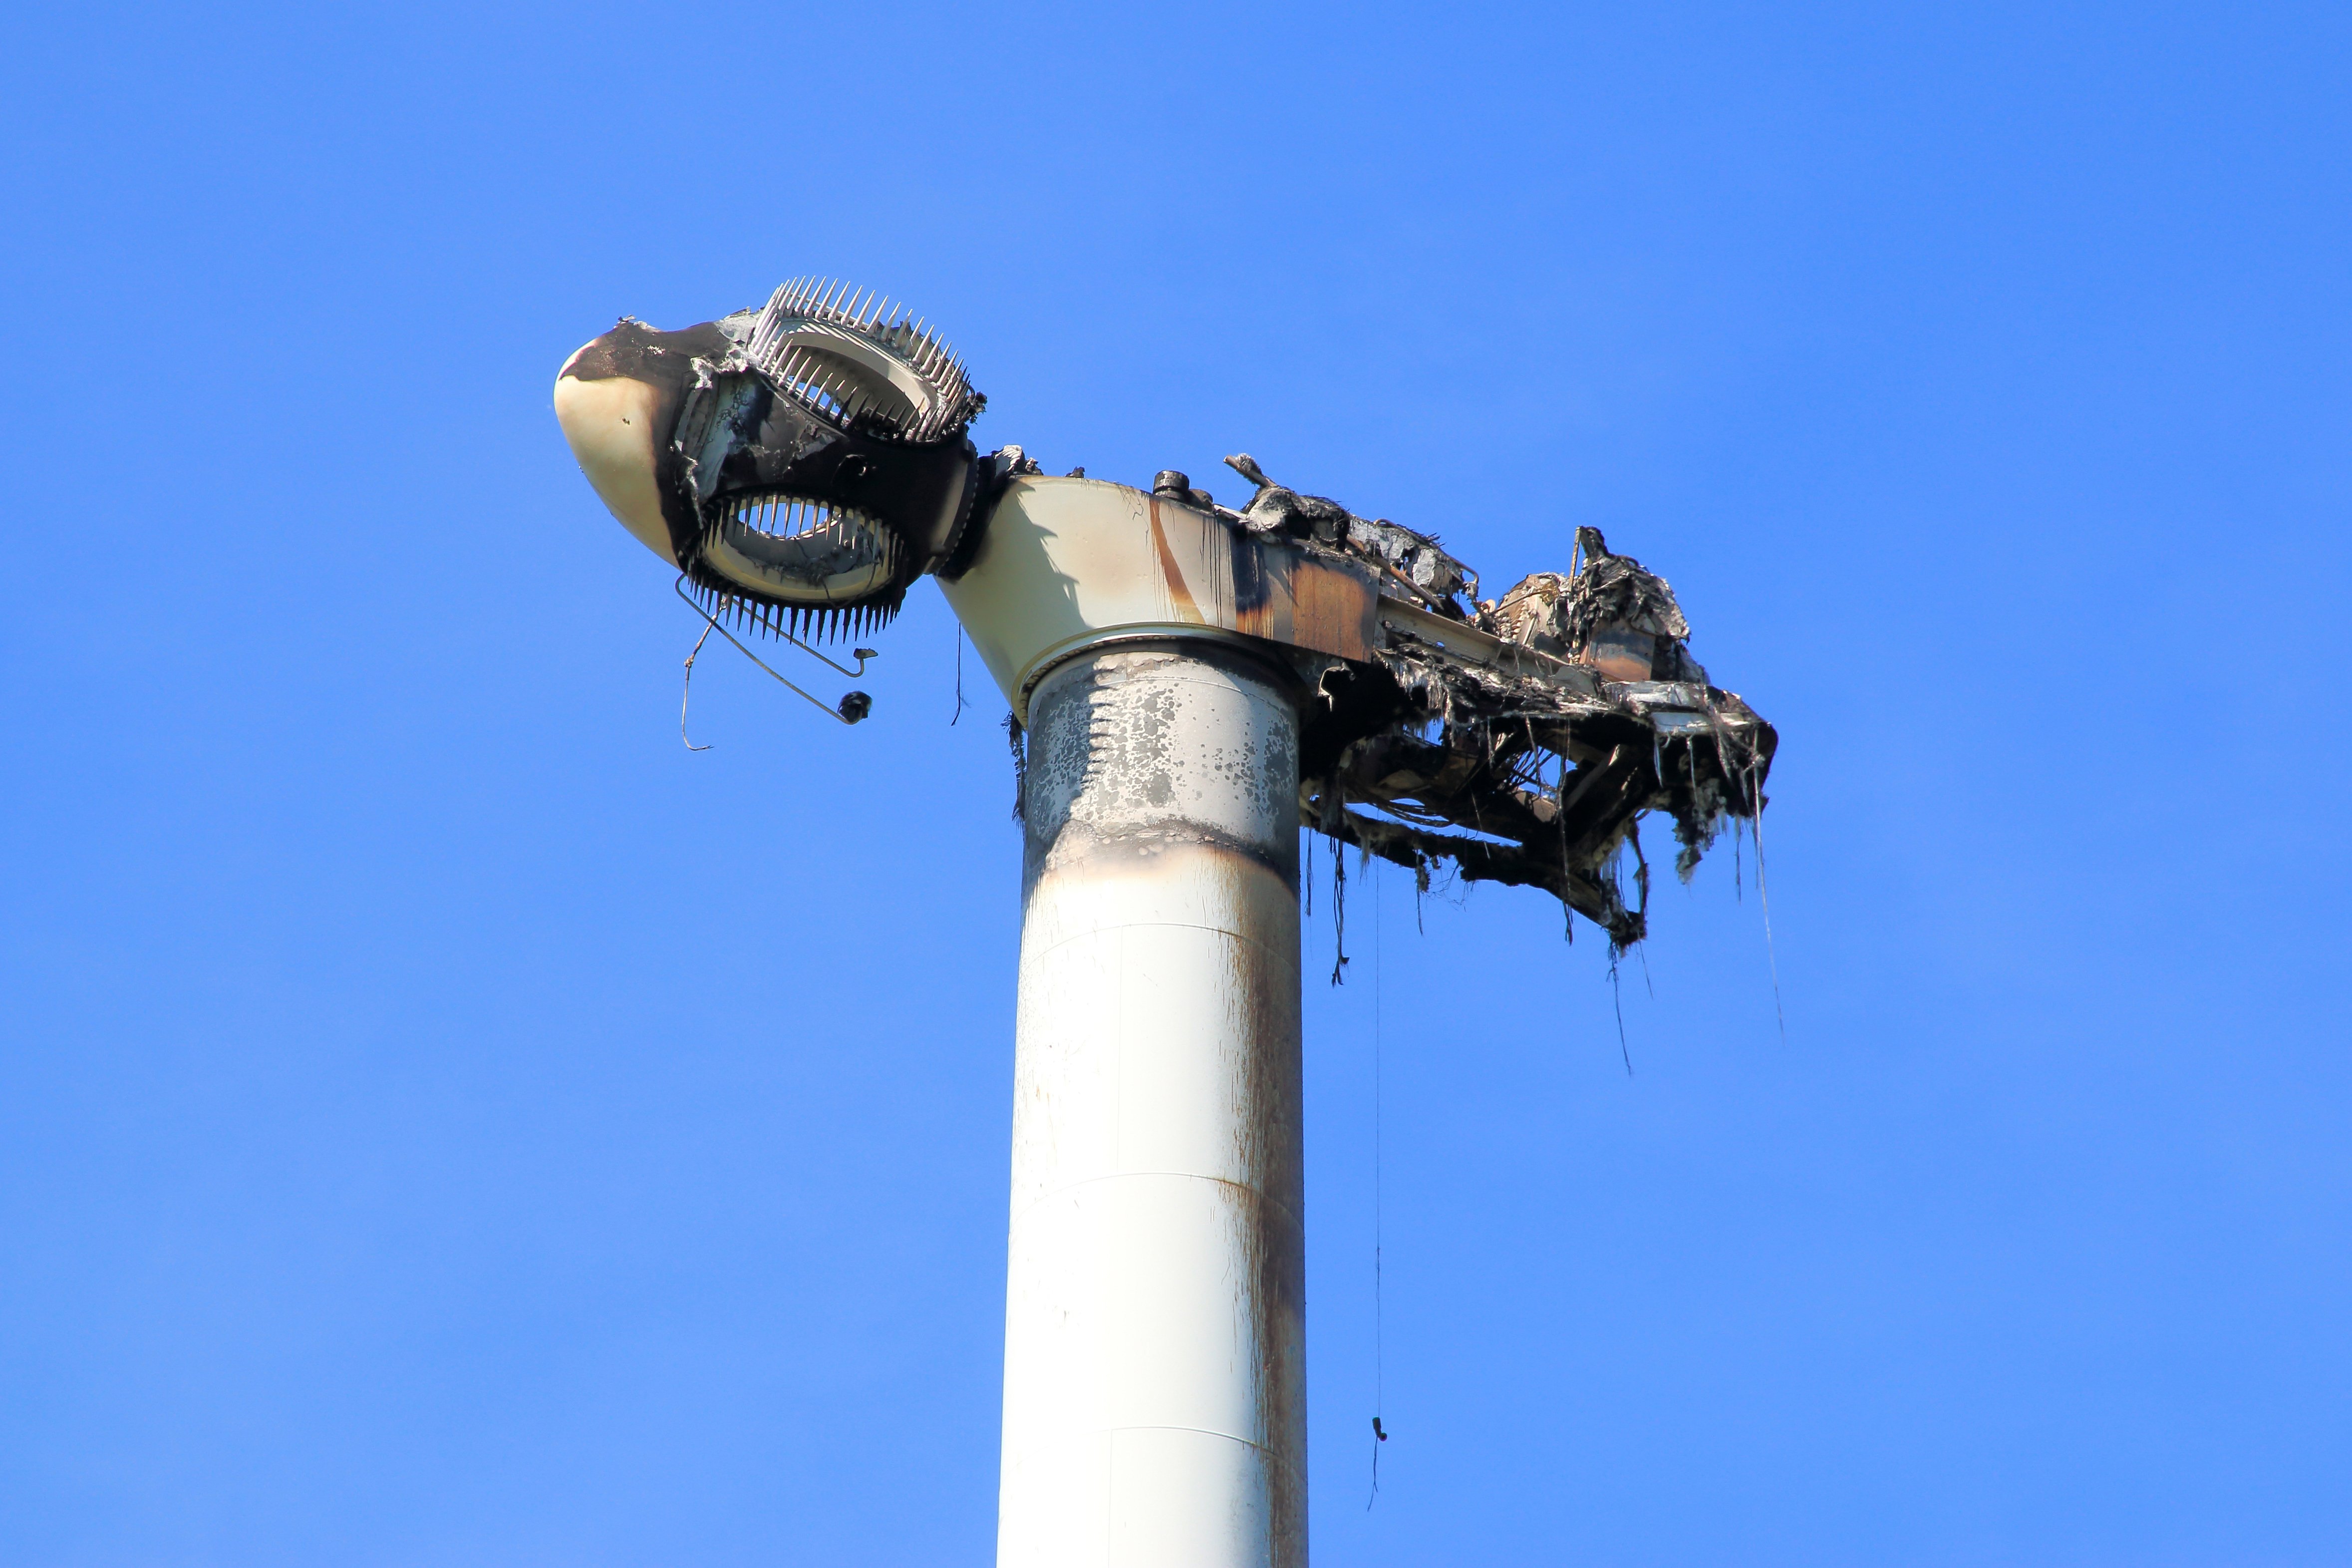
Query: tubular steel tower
pixel 1195 685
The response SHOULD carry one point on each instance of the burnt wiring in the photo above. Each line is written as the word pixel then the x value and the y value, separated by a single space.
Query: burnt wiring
pixel 1339 916
pixel 685 692
pixel 957 716
pixel 853 705
pixel 1764 902
pixel 1518 740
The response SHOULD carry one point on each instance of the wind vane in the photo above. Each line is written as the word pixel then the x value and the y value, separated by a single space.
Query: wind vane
pixel 1195 684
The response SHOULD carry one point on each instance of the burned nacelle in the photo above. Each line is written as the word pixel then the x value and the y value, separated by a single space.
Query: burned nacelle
pixel 1520 739
pixel 802 464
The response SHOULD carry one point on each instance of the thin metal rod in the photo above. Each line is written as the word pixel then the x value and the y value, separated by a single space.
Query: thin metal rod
pixel 685 692
pixel 815 702
pixel 862 655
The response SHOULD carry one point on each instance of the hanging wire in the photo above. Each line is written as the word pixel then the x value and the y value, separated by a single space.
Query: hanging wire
pixel 960 702
pixel 686 693
pixel 815 702
pixel 776 628
pixel 1339 912
pixel 1380 1335
pixel 1617 997
pixel 1764 900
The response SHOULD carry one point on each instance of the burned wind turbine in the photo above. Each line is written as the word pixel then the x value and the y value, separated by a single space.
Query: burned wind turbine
pixel 1192 684
pixel 803 463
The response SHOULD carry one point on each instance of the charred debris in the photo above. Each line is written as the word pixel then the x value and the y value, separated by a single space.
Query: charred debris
pixel 1519 739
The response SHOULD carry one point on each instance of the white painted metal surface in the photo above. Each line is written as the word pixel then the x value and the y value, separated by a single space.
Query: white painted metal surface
pixel 610 424
pixel 1071 563
pixel 1155 1371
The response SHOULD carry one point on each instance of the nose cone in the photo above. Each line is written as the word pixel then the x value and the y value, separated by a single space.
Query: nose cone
pixel 610 419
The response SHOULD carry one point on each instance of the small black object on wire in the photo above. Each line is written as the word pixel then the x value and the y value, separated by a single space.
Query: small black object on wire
pixel 853 705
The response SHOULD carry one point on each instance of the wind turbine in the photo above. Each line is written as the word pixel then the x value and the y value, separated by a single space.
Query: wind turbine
pixel 1194 684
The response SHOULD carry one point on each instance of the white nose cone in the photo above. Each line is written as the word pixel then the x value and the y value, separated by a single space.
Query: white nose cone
pixel 610 424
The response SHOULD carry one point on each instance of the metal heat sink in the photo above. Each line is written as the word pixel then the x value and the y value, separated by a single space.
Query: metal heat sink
pixel 801 464
pixel 826 462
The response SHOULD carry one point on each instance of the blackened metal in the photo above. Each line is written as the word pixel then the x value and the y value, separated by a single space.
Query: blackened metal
pixel 833 417
pixel 991 475
pixel 1527 767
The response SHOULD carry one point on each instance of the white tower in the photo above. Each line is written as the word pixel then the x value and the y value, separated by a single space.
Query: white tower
pixel 1155 1359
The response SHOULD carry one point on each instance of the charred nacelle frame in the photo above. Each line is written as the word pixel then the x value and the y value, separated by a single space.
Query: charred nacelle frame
pixel 801 465
pixel 1528 769
pixel 1520 739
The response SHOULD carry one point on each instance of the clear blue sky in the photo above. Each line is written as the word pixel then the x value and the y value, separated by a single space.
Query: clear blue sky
pixel 443 1122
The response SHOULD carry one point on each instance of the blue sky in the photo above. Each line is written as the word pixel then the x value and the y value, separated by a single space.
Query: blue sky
pixel 444 1122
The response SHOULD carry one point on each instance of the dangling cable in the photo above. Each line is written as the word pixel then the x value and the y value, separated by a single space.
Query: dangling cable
pixel 1764 900
pixel 815 702
pixel 687 693
pixel 1339 912
pixel 776 629
pixel 1380 1336
pixel 960 702
pixel 1617 997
